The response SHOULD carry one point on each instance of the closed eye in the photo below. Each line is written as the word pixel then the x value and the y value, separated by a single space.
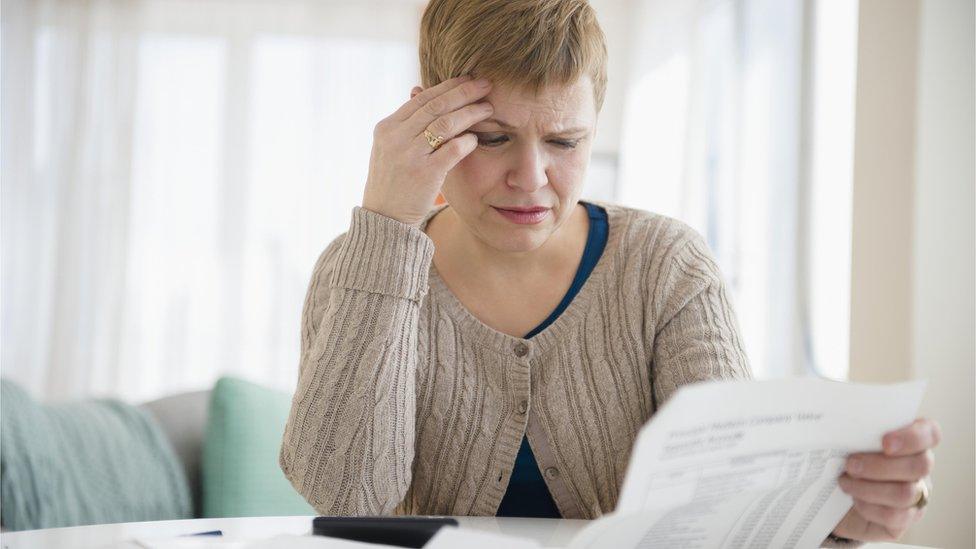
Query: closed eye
pixel 485 141
pixel 567 144
pixel 491 141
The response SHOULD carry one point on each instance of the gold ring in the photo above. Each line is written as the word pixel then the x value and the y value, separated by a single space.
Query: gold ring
pixel 434 141
pixel 923 496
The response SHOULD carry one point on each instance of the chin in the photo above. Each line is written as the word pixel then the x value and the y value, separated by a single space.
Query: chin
pixel 515 239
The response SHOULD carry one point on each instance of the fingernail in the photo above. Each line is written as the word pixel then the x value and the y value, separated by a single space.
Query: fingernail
pixel 483 83
pixel 854 465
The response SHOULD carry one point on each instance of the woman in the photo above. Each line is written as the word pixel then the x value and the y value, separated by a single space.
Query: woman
pixel 498 354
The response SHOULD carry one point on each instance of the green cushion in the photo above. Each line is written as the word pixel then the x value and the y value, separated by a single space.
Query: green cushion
pixel 241 476
pixel 84 462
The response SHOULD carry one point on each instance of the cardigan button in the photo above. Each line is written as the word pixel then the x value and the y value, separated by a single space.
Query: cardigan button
pixel 521 350
pixel 523 406
pixel 552 473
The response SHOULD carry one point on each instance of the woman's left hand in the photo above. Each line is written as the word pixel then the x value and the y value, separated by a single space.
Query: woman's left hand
pixel 886 486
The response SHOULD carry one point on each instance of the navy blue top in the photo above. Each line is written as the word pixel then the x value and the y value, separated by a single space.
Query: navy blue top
pixel 527 494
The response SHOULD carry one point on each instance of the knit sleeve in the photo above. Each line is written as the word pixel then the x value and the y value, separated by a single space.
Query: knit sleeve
pixel 697 335
pixel 348 445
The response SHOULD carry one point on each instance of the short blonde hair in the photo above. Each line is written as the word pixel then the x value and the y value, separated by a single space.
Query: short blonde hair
pixel 528 44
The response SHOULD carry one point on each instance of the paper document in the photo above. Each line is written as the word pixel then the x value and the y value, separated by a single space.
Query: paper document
pixel 748 464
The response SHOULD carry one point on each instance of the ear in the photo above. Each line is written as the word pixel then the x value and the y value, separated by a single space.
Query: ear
pixel 415 91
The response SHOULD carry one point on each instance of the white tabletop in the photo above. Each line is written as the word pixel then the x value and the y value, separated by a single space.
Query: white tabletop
pixel 548 532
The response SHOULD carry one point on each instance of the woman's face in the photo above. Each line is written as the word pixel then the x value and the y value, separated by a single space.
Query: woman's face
pixel 532 153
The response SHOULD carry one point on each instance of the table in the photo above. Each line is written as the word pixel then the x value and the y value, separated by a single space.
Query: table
pixel 548 532
pixel 553 533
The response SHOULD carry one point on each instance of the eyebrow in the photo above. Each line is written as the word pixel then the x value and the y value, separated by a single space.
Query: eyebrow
pixel 508 126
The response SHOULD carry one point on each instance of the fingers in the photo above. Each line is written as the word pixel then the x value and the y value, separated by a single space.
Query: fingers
pixel 417 101
pixel 875 466
pixel 455 123
pixel 885 485
pixel 453 151
pixel 901 495
pixel 893 521
pixel 921 435
pixel 445 103
pixel 460 120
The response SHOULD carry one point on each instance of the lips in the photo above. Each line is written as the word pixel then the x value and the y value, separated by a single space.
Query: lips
pixel 522 209
pixel 523 215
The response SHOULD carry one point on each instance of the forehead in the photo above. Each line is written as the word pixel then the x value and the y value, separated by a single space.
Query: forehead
pixel 553 107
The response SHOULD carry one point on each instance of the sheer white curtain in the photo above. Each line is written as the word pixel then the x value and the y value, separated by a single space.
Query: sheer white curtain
pixel 171 170
pixel 712 136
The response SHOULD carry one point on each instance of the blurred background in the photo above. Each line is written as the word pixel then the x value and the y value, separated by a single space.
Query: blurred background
pixel 171 169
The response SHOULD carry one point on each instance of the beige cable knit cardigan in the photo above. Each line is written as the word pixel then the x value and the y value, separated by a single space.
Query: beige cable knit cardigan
pixel 408 404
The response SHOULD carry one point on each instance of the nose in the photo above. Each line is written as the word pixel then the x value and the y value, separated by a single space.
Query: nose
pixel 529 171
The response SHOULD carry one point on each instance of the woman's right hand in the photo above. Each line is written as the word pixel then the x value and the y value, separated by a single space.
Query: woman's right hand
pixel 405 172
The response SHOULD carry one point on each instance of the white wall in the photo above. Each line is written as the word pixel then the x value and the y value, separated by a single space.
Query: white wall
pixel 912 280
pixel 943 320
pixel 882 216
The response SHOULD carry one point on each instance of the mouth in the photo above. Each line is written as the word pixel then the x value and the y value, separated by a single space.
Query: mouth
pixel 522 209
pixel 523 215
